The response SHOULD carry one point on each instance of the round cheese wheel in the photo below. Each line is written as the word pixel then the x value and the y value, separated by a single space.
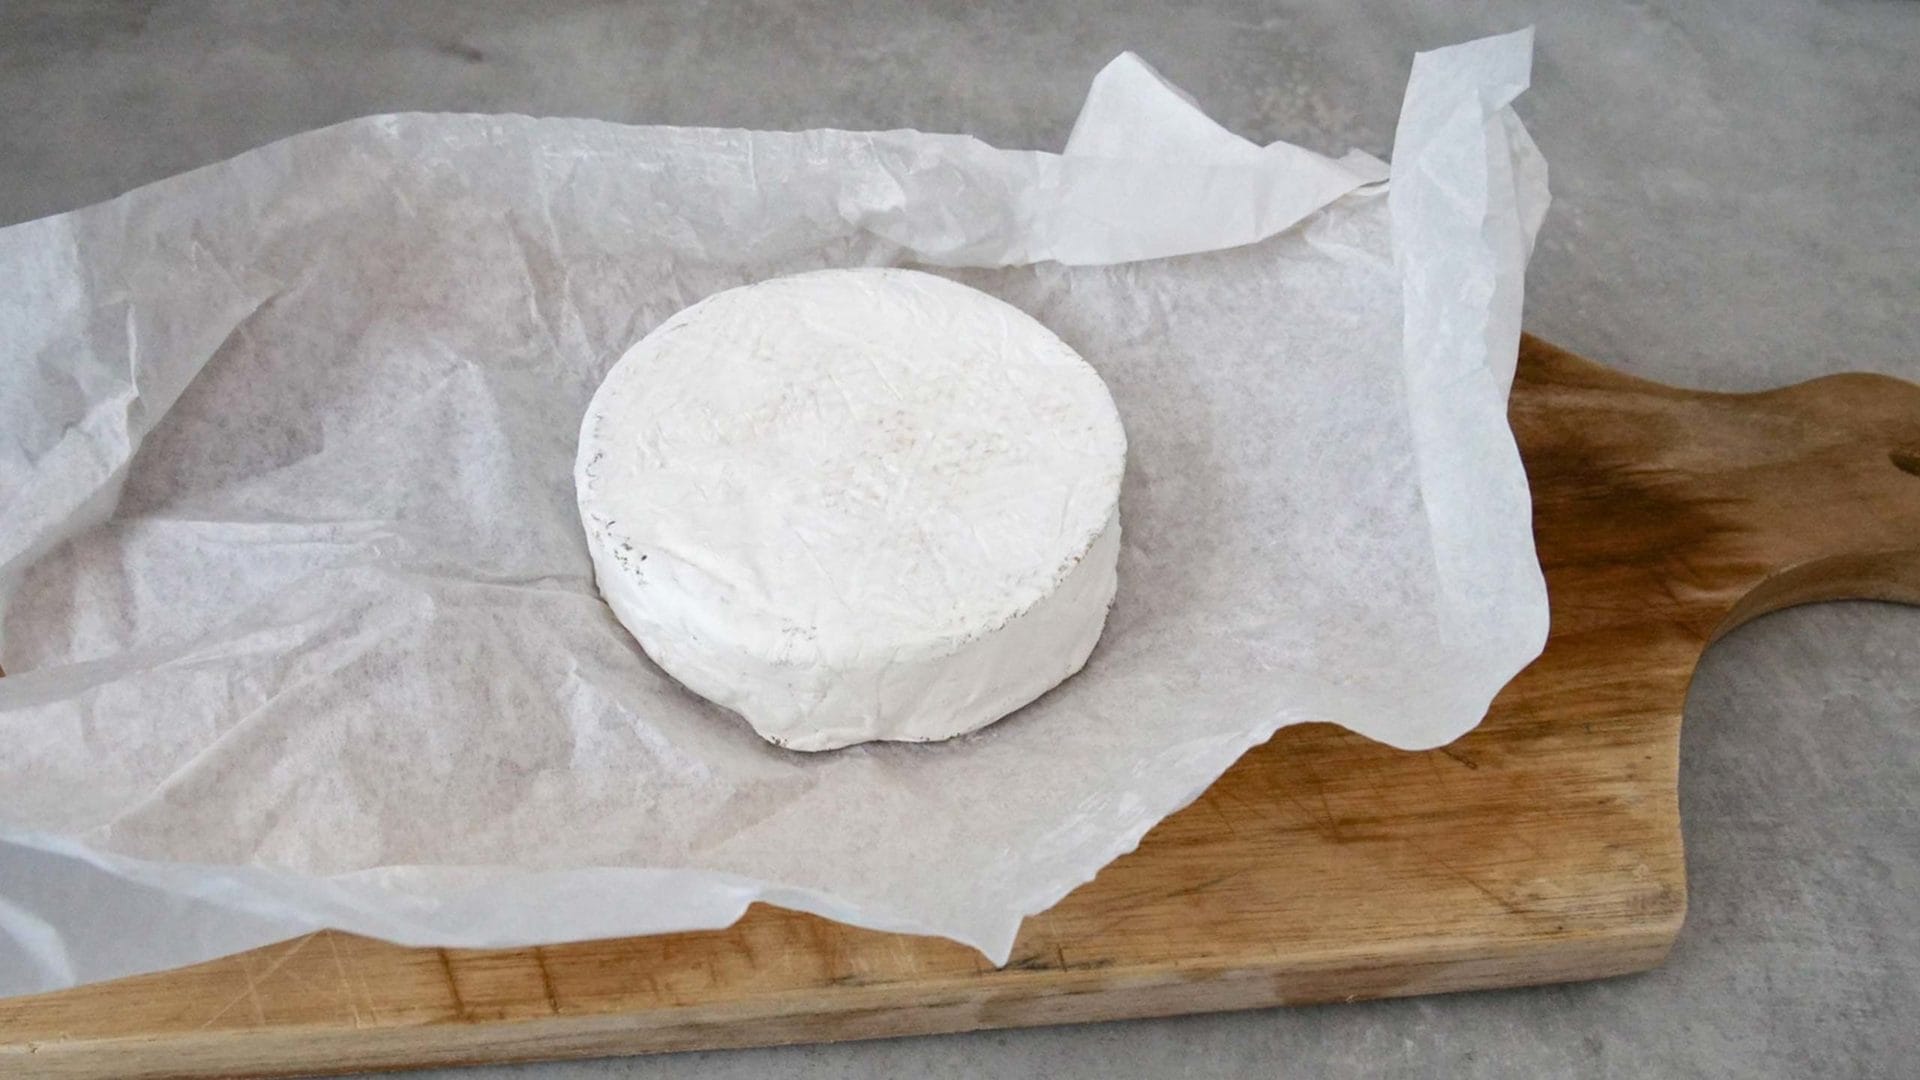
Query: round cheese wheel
pixel 856 504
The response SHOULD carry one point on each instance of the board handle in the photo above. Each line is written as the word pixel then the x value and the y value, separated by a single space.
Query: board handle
pixel 1855 512
pixel 1754 502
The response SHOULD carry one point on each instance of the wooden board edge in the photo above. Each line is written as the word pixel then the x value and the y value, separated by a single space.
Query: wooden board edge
pixel 856 1013
pixel 1889 576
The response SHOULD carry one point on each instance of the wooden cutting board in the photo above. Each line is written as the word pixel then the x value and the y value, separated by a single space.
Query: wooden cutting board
pixel 1544 846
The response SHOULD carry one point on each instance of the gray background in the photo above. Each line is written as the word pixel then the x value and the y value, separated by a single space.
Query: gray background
pixel 1736 190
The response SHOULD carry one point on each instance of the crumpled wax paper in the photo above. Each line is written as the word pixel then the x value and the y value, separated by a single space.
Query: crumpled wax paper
pixel 299 624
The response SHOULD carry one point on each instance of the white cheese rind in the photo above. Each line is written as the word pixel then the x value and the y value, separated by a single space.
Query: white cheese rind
pixel 855 505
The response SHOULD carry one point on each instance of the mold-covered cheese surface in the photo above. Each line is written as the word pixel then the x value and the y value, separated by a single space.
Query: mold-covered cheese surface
pixel 856 504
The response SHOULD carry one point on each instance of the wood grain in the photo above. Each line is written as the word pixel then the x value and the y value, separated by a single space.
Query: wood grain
pixel 1544 846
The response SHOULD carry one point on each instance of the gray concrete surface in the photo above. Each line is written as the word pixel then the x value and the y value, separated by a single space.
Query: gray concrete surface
pixel 1737 205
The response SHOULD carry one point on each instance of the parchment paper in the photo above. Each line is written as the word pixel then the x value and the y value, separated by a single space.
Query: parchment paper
pixel 299 625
